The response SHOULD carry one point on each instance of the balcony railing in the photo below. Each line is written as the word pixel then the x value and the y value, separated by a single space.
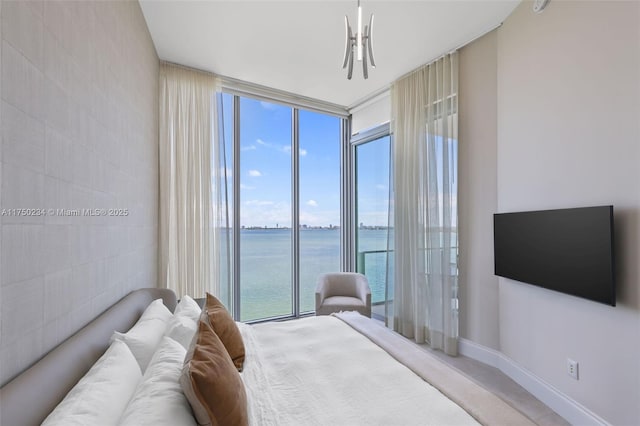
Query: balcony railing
pixel 377 272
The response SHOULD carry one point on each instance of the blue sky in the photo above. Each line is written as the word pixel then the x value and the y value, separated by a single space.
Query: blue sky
pixel 265 172
pixel 372 182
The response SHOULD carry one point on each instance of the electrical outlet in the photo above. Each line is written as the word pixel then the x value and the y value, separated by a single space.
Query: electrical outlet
pixel 572 368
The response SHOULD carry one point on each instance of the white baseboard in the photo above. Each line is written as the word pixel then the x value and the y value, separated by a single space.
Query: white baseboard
pixel 479 352
pixel 570 410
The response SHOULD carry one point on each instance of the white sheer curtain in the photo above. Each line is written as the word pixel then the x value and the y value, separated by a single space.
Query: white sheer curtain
pixel 191 213
pixel 424 303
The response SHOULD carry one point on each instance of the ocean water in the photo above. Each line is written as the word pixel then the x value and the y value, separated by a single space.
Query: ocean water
pixel 265 267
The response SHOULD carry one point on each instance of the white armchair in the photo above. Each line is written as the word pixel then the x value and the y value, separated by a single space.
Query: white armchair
pixel 343 291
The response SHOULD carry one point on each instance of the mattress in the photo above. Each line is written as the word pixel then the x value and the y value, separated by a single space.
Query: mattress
pixel 320 371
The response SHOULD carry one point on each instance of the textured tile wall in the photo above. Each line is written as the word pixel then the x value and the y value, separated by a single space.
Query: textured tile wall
pixel 78 119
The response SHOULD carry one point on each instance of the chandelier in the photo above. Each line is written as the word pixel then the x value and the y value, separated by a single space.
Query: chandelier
pixel 361 42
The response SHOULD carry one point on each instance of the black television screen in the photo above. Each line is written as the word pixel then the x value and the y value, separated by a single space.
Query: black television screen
pixel 567 250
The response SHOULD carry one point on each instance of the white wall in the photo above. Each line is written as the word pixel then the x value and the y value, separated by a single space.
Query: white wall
pixel 550 118
pixel 477 193
pixel 79 130
pixel 569 135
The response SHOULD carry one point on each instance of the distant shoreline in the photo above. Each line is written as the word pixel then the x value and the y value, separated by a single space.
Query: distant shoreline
pixel 308 228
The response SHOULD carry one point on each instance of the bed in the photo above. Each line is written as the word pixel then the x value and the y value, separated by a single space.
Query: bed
pixel 33 394
pixel 343 369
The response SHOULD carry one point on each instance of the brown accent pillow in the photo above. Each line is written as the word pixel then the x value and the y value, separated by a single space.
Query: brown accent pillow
pixel 226 329
pixel 211 382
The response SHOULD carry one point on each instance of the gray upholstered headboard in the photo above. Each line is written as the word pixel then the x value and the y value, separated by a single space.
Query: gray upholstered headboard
pixel 33 394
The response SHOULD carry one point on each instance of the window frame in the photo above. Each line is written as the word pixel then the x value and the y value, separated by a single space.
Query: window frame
pixel 361 138
pixel 346 242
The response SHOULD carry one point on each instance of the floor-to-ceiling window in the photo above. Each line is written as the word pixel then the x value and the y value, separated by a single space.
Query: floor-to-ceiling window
pixel 319 201
pixel 285 203
pixel 265 210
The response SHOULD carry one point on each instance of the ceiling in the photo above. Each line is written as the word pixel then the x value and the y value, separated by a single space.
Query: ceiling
pixel 297 46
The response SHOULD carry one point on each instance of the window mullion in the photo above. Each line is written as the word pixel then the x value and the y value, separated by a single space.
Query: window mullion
pixel 347 209
pixel 295 210
pixel 236 208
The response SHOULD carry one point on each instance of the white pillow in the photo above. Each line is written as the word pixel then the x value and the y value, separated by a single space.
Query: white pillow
pixel 100 397
pixel 189 308
pixel 144 337
pixel 156 310
pixel 158 399
pixel 181 329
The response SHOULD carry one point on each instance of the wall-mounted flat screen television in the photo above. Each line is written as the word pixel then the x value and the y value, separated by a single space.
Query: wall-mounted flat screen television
pixel 567 250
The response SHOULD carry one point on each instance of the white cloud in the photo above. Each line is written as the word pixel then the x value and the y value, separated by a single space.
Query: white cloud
pixel 381 187
pixel 247 187
pixel 263 143
pixel 312 203
pixel 248 148
pixel 265 213
pixel 320 218
pixel 287 149
pixel 268 106
pixel 255 173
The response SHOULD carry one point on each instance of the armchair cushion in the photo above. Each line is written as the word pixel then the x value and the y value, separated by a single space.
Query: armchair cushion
pixel 343 291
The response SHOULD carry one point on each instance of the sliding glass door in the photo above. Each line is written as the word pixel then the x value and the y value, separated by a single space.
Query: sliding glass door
pixel 372 185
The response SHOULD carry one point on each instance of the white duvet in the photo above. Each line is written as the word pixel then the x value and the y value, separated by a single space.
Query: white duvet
pixel 320 371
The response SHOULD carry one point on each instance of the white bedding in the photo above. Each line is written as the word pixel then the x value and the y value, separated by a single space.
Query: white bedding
pixel 351 381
